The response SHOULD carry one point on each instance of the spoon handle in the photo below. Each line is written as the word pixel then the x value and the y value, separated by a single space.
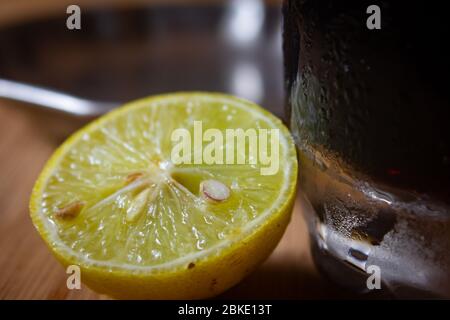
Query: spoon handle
pixel 52 100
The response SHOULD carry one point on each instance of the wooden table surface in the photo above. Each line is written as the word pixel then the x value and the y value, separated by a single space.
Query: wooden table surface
pixel 29 271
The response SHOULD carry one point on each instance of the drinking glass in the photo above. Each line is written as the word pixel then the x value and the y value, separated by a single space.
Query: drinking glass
pixel 369 109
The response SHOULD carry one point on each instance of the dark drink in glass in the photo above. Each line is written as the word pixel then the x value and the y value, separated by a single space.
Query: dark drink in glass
pixel 370 112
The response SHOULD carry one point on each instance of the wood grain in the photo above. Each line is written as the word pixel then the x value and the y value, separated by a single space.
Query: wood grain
pixel 29 271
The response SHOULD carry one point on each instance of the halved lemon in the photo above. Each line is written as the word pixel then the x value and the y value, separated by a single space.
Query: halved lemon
pixel 112 201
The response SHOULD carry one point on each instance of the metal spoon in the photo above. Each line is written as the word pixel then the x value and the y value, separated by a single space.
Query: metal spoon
pixel 53 100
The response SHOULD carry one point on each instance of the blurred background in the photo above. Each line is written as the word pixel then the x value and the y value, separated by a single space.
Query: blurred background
pixel 127 50
pixel 130 49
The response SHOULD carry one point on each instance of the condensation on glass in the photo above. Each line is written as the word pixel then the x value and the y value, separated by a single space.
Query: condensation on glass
pixel 369 110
